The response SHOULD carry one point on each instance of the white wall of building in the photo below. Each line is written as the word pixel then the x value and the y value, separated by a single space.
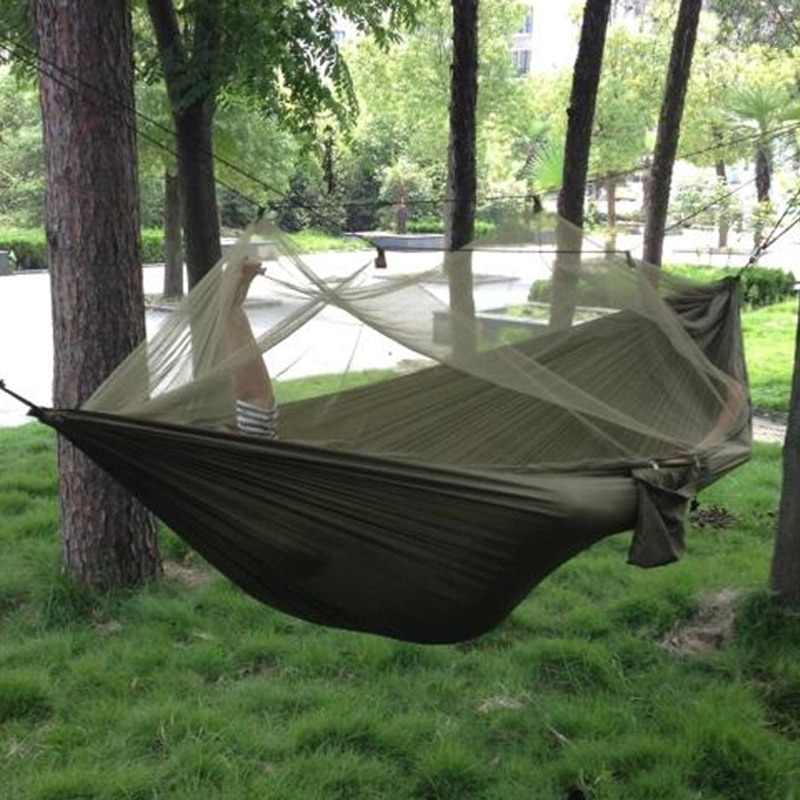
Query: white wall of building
pixel 549 36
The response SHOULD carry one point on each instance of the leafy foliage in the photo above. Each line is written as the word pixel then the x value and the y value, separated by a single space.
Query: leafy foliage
pixel 21 180
pixel 774 22
pixel 29 246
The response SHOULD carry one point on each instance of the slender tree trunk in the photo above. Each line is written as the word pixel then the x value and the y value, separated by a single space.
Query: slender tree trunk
pixel 611 214
pixel 723 225
pixel 580 114
pixel 669 128
pixel 189 78
pixel 94 248
pixel 173 256
pixel 198 190
pixel 462 175
pixel 580 120
pixel 763 177
pixel 785 577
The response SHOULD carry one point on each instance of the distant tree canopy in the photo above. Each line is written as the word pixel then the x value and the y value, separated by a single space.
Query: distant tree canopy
pixel 282 56
pixel 760 21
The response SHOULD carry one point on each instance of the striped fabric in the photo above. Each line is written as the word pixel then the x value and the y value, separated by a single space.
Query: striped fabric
pixel 257 421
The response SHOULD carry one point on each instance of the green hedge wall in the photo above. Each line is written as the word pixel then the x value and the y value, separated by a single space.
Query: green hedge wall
pixel 30 251
pixel 761 286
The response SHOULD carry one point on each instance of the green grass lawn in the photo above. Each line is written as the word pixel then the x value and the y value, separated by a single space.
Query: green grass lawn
pixel 189 689
pixel 310 240
pixel 769 345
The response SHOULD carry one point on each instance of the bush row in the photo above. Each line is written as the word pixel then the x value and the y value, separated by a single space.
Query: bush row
pixel 761 286
pixel 28 247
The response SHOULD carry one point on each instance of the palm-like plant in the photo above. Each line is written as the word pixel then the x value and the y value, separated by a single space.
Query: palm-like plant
pixel 761 110
pixel 543 169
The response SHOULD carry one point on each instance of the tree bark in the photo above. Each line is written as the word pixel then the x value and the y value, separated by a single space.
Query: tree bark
pixel 763 177
pixel 580 120
pixel 173 255
pixel 785 577
pixel 94 247
pixel 580 115
pixel 723 225
pixel 669 128
pixel 611 214
pixel 190 86
pixel 193 127
pixel 462 175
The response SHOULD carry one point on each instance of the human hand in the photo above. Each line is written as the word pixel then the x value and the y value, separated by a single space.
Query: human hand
pixel 249 270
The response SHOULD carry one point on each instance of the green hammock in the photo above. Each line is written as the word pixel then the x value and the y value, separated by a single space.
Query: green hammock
pixel 426 506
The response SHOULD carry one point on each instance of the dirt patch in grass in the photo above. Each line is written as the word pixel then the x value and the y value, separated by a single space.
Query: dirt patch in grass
pixel 709 629
pixel 190 577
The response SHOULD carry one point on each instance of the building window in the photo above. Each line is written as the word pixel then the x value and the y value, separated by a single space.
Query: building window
pixel 522 61
pixel 339 36
pixel 527 23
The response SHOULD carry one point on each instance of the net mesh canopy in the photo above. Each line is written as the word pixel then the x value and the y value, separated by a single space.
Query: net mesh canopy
pixel 572 354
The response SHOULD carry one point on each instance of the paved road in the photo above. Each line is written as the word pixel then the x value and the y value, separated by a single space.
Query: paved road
pixel 329 343
pixel 326 344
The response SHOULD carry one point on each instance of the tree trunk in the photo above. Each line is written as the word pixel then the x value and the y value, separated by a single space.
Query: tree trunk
pixel 580 120
pixel 173 250
pixel 94 248
pixel 580 114
pixel 669 128
pixel 462 175
pixel 785 578
pixel 190 80
pixel 193 128
pixel 611 215
pixel 723 224
pixel 763 178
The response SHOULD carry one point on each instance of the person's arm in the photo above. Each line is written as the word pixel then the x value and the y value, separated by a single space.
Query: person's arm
pixel 251 380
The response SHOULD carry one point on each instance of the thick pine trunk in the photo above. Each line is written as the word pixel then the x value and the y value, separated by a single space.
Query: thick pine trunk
pixel 669 128
pixel 173 249
pixel 94 248
pixel 785 576
pixel 580 119
pixel 461 174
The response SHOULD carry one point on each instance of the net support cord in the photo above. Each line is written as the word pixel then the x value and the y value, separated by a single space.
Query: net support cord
pixel 33 409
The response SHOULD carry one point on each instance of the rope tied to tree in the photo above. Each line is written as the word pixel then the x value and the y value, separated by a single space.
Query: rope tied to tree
pixel 33 410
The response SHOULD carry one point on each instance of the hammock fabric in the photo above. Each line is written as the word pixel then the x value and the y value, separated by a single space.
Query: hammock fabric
pixel 426 506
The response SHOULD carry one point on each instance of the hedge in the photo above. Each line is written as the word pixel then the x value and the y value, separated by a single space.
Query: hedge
pixel 761 286
pixel 30 250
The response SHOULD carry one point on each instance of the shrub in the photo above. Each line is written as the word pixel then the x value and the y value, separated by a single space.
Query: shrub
pixel 30 247
pixel 761 286
pixel 152 245
pixel 435 225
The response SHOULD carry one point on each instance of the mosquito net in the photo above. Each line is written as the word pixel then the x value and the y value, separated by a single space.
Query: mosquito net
pixel 572 353
pixel 451 427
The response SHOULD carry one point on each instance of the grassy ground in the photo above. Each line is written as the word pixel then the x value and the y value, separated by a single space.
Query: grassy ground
pixel 188 689
pixel 769 344
pixel 310 240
